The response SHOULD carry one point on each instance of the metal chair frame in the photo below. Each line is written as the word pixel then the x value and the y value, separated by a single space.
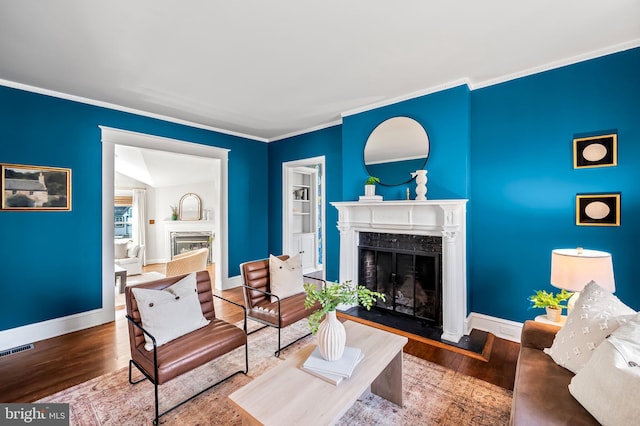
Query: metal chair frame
pixel 147 376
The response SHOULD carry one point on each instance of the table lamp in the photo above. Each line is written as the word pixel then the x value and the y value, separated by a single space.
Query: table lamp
pixel 573 269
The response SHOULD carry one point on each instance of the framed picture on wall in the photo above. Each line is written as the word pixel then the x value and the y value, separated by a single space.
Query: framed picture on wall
pixel 35 188
pixel 598 209
pixel 595 151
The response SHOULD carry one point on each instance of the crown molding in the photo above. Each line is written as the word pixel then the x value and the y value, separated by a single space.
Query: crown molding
pixel 80 99
pixel 309 130
pixel 406 97
pixel 632 44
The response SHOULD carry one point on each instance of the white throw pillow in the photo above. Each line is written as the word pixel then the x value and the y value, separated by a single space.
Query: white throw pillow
pixel 170 313
pixel 609 384
pixel 595 315
pixel 285 277
pixel 120 249
pixel 133 250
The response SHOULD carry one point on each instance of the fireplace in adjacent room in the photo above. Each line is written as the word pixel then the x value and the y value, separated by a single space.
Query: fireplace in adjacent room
pixel 407 270
pixel 182 242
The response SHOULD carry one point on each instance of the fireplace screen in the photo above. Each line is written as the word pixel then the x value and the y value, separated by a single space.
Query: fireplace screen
pixel 408 277
pixel 182 242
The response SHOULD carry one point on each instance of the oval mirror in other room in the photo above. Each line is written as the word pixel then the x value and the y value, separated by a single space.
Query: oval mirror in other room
pixel 395 148
pixel 190 207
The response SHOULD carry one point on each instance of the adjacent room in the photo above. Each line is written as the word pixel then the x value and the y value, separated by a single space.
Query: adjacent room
pixel 414 213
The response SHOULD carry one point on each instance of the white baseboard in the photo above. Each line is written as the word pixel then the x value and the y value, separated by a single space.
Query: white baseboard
pixel 232 282
pixel 55 327
pixel 505 329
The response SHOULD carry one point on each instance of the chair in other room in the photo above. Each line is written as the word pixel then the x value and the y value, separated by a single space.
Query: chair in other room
pixel 159 355
pixel 191 261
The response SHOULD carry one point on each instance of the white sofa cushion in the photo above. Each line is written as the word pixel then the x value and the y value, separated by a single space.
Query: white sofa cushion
pixel 133 250
pixel 609 384
pixel 170 313
pixel 285 277
pixel 596 314
pixel 120 249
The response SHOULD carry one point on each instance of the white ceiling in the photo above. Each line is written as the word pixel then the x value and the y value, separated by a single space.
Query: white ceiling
pixel 161 169
pixel 267 69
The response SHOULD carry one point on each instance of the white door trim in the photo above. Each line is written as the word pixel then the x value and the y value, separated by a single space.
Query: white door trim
pixel 305 162
pixel 112 137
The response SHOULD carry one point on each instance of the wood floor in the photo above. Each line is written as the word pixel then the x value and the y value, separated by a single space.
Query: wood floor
pixel 61 362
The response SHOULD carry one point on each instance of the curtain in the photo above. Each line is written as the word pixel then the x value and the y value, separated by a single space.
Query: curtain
pixel 139 215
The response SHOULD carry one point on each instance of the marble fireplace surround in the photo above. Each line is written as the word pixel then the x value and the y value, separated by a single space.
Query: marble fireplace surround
pixel 443 218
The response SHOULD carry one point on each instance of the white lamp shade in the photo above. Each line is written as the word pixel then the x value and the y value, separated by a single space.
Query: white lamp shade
pixel 573 269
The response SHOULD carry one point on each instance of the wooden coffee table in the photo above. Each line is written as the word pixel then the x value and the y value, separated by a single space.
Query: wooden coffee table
pixel 287 394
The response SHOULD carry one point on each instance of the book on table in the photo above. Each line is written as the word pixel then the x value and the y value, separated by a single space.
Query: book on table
pixel 333 371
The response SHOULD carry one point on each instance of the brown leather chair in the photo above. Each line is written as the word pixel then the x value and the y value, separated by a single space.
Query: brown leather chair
pixel 187 352
pixel 257 300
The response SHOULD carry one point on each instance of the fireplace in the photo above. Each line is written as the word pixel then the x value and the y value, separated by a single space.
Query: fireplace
pixel 406 269
pixel 182 242
pixel 439 229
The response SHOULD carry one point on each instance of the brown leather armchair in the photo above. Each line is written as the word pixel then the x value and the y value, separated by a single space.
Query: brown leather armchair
pixel 257 300
pixel 185 353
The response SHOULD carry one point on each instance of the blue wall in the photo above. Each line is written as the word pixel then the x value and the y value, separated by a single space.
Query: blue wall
pixel 327 142
pixel 506 147
pixel 445 116
pixel 51 261
pixel 523 184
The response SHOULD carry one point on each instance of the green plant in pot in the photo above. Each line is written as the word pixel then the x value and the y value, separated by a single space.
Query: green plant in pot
pixel 330 296
pixel 370 186
pixel 552 303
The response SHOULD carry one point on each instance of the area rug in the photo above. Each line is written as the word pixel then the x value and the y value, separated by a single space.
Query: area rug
pixel 433 395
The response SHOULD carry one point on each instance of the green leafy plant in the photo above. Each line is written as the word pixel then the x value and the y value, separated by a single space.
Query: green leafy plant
pixel 544 299
pixel 371 180
pixel 333 294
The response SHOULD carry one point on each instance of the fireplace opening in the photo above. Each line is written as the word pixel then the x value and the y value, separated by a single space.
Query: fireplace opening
pixel 406 269
pixel 182 242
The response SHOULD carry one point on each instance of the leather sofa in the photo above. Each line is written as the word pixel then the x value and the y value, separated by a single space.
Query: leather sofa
pixel 541 394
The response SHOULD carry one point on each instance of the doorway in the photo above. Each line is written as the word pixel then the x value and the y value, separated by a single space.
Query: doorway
pixel 303 207
pixel 115 137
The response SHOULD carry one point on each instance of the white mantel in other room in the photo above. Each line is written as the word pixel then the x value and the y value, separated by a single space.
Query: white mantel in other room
pixel 443 218
pixel 193 226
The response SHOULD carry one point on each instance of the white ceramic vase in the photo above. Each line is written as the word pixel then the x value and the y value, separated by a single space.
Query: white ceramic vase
pixel 369 190
pixel 554 314
pixel 331 337
pixel 421 184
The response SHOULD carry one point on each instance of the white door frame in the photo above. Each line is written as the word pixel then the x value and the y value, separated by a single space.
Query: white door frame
pixel 110 138
pixel 286 237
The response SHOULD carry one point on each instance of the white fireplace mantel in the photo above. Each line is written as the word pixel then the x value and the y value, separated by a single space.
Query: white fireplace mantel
pixel 443 218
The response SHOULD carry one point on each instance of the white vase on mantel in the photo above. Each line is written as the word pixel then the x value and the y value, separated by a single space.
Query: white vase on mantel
pixel 421 184
pixel 369 190
pixel 332 337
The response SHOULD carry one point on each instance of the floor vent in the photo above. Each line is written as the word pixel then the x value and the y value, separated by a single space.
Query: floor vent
pixel 17 349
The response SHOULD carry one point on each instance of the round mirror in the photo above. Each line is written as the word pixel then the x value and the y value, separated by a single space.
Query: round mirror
pixel 397 147
pixel 190 207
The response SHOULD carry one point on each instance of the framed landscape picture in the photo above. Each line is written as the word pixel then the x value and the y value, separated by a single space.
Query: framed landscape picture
pixel 35 188
pixel 598 209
